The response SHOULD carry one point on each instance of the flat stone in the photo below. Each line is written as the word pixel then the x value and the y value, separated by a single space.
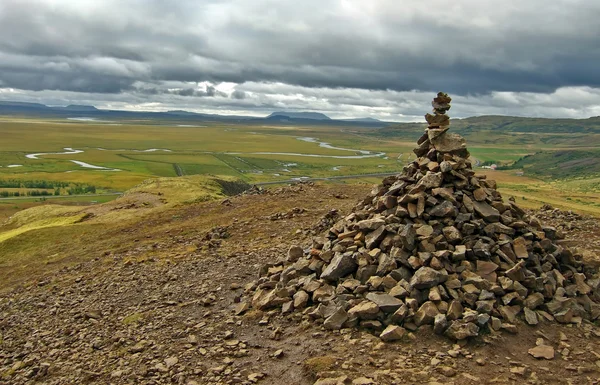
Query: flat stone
pixel 264 299
pixel 324 292
pixel 487 212
pixel 424 230
pixel 486 267
pixel 520 248
pixel 371 224
pixel 497 228
pixel 517 272
pixel 364 310
pixel 509 313
pixel 564 316
pixel 444 209
pixel 386 302
pixel 451 143
pixel 386 264
pixel 407 237
pixel 479 194
pixel 241 308
pixel 542 351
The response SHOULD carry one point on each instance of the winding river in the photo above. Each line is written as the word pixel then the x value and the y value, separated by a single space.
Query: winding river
pixel 359 154
pixel 364 153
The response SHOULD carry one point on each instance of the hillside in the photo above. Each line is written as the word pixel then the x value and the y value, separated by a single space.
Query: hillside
pixel 153 301
pixel 509 130
pixel 561 164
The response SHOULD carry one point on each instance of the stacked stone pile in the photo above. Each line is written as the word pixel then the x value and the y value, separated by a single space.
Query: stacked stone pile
pixel 435 245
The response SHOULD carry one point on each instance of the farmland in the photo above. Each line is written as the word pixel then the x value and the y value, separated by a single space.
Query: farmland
pixel 125 153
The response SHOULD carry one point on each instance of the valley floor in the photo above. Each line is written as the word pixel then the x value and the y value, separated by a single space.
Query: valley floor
pixel 161 311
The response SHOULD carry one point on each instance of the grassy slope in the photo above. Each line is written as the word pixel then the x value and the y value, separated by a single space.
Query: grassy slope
pixel 53 235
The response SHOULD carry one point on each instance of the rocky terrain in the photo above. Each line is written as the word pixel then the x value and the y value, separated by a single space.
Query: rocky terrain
pixel 435 245
pixel 400 287
pixel 128 318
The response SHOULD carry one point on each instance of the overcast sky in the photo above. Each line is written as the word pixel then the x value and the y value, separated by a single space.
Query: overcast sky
pixel 346 58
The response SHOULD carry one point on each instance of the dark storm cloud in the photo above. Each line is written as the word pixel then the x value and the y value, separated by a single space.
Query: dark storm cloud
pixel 157 48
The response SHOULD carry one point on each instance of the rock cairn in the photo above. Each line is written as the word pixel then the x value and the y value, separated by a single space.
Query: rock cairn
pixel 435 245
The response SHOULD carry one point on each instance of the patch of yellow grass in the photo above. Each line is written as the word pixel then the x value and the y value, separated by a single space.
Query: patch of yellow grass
pixel 38 213
pixel 41 224
pixel 187 189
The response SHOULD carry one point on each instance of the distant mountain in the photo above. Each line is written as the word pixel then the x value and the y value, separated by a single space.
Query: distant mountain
pixel 21 104
pixel 367 120
pixel 300 115
pixel 79 108
pixel 179 116
pixel 183 113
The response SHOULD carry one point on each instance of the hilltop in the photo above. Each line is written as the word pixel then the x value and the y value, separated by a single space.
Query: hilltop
pixel 152 299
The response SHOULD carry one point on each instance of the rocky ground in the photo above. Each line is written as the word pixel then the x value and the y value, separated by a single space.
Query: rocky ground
pixel 164 312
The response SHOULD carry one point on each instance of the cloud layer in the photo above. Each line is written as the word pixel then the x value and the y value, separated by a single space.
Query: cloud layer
pixel 381 58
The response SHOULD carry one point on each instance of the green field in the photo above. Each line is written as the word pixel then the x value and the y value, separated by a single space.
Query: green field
pixel 540 166
pixel 217 149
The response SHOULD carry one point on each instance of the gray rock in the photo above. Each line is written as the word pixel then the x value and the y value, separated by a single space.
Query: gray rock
pixel 371 224
pixel 407 237
pixel 440 324
pixel 386 264
pixel 486 211
pixel 444 209
pixel 336 320
pixel 340 266
pixel 494 229
pixel 386 302
pixel 373 238
pixel 530 316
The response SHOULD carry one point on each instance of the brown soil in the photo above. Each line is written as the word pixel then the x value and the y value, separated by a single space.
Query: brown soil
pixel 160 310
